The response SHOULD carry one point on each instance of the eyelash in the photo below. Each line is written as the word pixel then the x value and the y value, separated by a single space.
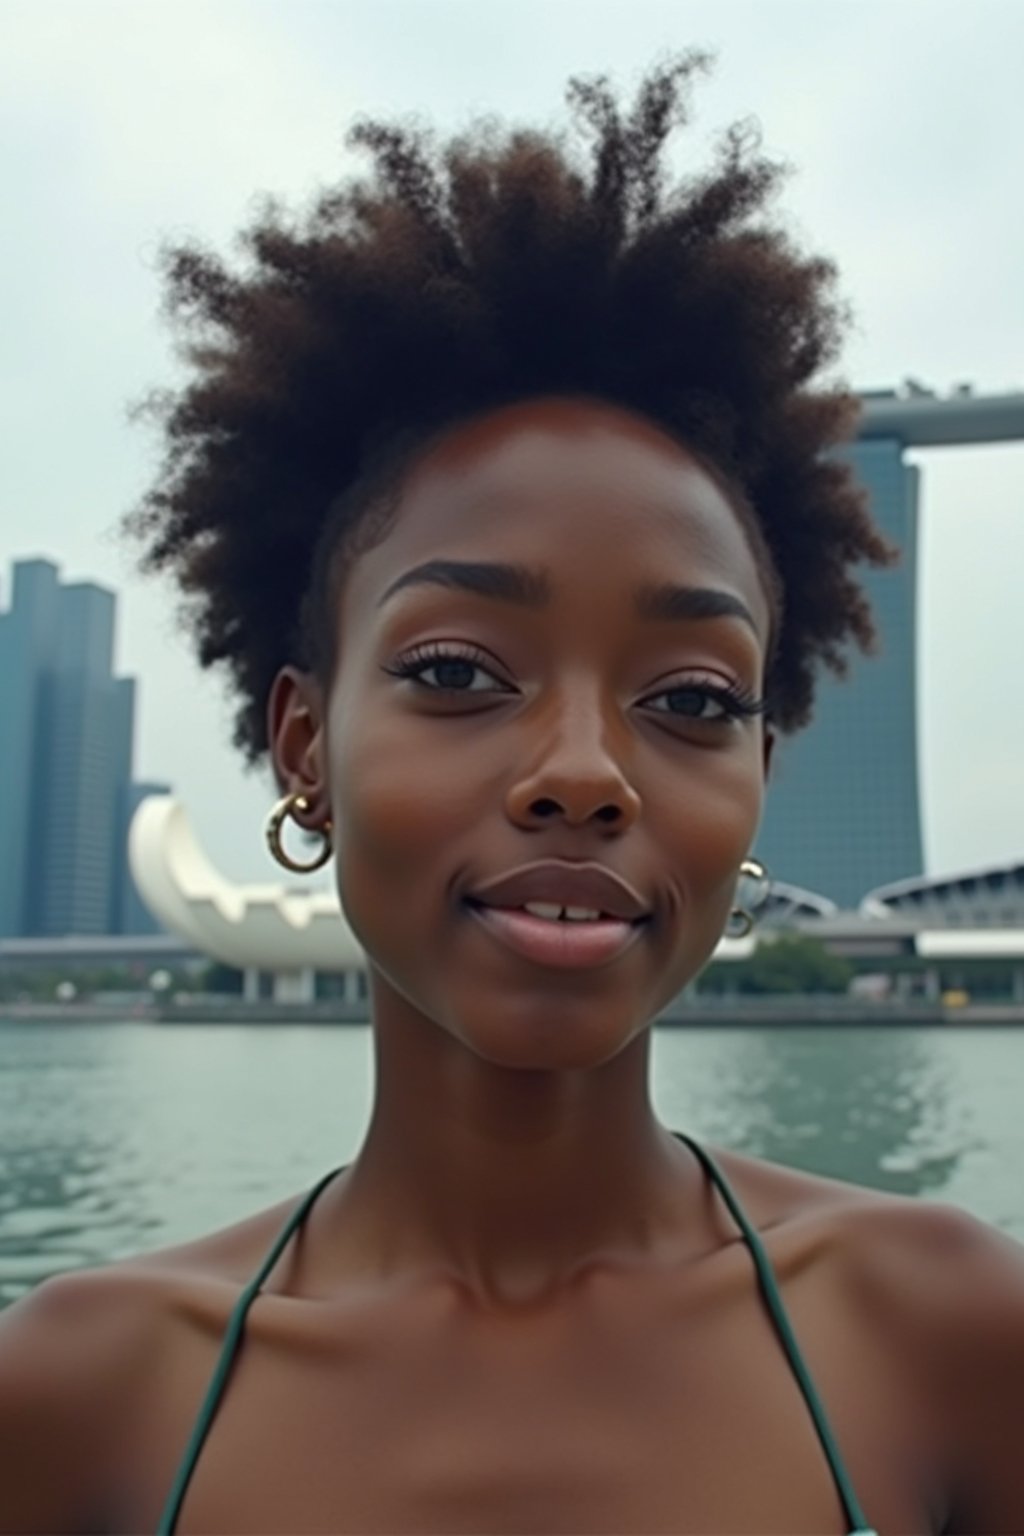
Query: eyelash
pixel 737 703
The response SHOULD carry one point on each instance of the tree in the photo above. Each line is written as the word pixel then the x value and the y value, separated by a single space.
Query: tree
pixel 794 962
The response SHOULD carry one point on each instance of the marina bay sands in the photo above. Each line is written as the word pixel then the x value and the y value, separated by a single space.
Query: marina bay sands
pixel 844 816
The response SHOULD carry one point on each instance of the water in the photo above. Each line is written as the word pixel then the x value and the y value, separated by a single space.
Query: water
pixel 119 1138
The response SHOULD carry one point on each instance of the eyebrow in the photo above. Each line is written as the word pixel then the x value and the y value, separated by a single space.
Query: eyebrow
pixel 509 583
pixel 527 588
pixel 670 602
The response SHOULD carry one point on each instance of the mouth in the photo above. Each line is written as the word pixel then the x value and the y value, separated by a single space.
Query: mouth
pixel 560 890
pixel 553 934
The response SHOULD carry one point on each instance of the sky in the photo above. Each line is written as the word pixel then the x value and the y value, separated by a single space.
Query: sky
pixel 127 122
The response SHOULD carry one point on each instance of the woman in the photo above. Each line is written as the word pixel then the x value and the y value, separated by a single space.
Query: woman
pixel 500 489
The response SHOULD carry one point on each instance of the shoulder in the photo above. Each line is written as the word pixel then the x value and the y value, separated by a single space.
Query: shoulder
pixel 960 1287
pixel 67 1355
pixel 950 1288
pixel 925 1265
pixel 83 1354
pixel 952 1283
pixel 943 1293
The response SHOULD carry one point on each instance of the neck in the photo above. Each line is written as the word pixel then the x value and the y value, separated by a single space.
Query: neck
pixel 511 1183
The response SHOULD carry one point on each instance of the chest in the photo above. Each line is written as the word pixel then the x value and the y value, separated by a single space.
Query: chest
pixel 599 1418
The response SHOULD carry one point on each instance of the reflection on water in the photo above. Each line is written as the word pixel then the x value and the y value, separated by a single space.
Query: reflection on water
pixel 121 1138
pixel 873 1106
pixel 59 1209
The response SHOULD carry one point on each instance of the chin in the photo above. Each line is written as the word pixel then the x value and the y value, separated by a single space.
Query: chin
pixel 552 1035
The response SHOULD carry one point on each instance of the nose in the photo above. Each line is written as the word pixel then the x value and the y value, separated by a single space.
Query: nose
pixel 575 774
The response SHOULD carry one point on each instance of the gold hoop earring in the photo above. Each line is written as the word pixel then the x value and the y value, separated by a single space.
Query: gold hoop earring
pixel 284 808
pixel 742 919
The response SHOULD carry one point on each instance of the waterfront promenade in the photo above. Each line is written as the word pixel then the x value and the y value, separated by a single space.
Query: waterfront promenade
pixel 746 1012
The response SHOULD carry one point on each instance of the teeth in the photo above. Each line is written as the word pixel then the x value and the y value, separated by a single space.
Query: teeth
pixel 543 908
pixel 552 910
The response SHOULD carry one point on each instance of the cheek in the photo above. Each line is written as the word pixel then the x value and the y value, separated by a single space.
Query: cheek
pixel 400 804
pixel 708 826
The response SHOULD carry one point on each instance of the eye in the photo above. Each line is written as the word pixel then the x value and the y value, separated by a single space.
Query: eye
pixel 453 674
pixel 455 670
pixel 706 702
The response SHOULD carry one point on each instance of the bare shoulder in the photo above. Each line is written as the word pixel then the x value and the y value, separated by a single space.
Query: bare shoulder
pixel 959 1288
pixel 952 1288
pixel 903 1255
pixel 67 1355
pixel 945 1291
pixel 79 1357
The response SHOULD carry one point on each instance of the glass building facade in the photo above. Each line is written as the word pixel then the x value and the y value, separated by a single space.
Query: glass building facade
pixel 65 762
pixel 842 813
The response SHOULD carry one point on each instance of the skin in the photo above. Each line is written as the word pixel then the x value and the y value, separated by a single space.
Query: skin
pixel 522 1309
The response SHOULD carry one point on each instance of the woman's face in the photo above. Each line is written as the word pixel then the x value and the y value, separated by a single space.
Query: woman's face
pixel 518 682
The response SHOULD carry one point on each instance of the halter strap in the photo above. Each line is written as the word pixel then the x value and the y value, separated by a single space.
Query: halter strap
pixel 229 1349
pixel 773 1301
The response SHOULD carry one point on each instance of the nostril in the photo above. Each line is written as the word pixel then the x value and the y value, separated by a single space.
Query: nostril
pixel 546 807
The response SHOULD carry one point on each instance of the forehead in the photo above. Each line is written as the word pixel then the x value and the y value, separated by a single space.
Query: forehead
pixel 596 496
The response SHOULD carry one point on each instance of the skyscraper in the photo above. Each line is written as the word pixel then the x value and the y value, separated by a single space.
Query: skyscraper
pixel 65 761
pixel 842 813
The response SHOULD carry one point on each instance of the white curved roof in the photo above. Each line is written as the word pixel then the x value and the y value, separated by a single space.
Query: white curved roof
pixel 966 881
pixel 786 900
pixel 264 926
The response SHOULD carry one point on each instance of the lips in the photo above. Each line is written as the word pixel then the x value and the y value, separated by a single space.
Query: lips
pixel 572 885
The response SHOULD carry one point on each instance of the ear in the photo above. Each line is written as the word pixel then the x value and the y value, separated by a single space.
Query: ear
pixel 296 733
pixel 768 749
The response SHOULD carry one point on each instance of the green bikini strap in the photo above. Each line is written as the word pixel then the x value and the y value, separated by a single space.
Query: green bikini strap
pixel 232 1335
pixel 762 1264
pixel 770 1291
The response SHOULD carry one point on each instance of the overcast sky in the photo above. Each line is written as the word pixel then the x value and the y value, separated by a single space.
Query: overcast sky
pixel 124 121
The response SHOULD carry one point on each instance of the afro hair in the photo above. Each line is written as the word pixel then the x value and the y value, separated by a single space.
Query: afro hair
pixel 457 277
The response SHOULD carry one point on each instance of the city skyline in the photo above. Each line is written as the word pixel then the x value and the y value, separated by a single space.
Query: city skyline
pixel 916 204
pixel 66 759
pixel 844 816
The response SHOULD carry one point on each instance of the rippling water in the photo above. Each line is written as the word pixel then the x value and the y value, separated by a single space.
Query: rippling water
pixel 123 1137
